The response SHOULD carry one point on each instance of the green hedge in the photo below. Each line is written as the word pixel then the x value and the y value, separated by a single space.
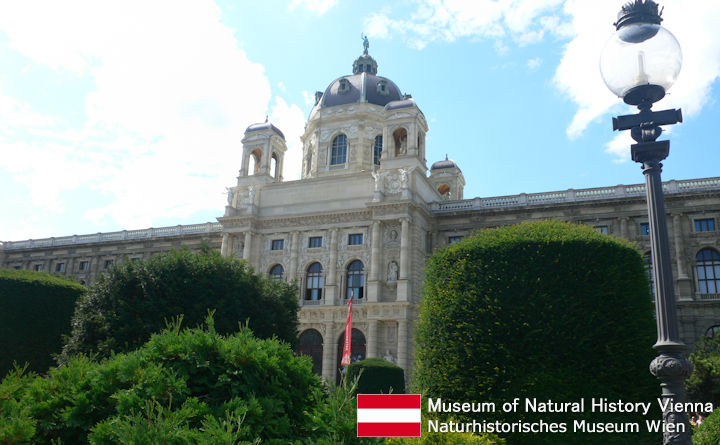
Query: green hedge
pixel 182 387
pixel 377 376
pixel 544 310
pixel 35 312
pixel 133 300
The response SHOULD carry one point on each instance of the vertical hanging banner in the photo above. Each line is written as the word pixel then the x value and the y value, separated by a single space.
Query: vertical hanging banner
pixel 348 336
pixel 388 415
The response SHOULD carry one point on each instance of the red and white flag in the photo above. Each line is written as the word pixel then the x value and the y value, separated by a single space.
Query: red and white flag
pixel 348 336
pixel 388 415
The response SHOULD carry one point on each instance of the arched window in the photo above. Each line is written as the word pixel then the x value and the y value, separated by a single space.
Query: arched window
pixel 254 162
pixel 357 349
pixel 274 166
pixel 339 150
pixel 712 331
pixel 276 272
pixel 708 271
pixel 314 282
pixel 649 270
pixel 355 280
pixel 311 344
pixel 377 149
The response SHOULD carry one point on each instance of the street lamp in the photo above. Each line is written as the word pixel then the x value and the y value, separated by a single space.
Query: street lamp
pixel 639 63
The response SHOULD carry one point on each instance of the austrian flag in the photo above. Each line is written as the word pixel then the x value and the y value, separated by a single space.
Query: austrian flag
pixel 388 415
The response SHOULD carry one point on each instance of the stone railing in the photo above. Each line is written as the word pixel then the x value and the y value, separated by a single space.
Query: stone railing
pixel 158 232
pixel 572 195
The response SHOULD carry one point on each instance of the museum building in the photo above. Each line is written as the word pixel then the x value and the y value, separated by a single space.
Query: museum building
pixel 366 214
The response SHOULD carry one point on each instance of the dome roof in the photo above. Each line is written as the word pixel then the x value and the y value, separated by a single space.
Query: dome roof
pixel 446 163
pixel 264 126
pixel 361 87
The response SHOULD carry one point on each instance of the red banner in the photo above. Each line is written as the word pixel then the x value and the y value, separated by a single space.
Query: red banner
pixel 348 336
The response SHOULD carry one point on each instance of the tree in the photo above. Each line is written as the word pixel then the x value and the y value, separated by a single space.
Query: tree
pixel 135 299
pixel 544 310
pixel 36 312
pixel 704 383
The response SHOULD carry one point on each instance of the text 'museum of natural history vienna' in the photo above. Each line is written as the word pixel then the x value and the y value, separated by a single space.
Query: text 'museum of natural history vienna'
pixel 367 212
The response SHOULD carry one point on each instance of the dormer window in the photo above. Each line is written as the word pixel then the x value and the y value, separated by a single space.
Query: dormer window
pixel 382 88
pixel 344 86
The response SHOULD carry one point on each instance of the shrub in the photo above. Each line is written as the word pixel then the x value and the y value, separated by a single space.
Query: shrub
pixel 376 376
pixel 704 383
pixel 708 433
pixel 543 310
pixel 36 312
pixel 135 299
pixel 189 386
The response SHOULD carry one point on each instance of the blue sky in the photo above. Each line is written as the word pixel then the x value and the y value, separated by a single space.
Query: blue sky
pixel 127 115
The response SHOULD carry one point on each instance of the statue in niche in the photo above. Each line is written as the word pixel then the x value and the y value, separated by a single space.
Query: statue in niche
pixel 393 270
pixel 377 177
pixel 229 196
pixel 393 235
pixel 403 144
pixel 389 357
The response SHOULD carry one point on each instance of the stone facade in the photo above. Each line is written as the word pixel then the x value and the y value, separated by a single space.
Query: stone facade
pixel 366 214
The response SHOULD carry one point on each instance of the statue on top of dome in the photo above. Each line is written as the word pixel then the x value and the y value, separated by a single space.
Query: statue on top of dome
pixel 366 43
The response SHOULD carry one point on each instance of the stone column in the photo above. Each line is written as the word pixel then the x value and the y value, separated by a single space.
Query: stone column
pixel 248 244
pixel 684 283
pixel 329 353
pixel 624 227
pixel 331 289
pixel 372 349
pixel 376 268
pixel 294 247
pixel 403 285
pixel 224 246
pixel 405 250
pixel 402 347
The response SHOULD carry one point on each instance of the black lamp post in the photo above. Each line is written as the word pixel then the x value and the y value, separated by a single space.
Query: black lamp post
pixel 639 63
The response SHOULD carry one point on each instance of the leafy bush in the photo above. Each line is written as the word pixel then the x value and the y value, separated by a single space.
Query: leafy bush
pixel 376 376
pixel 544 310
pixel 704 383
pixel 135 299
pixel 708 433
pixel 36 312
pixel 190 386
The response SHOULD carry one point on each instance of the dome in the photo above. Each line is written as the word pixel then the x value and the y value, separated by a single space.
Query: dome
pixel 264 126
pixel 446 163
pixel 361 87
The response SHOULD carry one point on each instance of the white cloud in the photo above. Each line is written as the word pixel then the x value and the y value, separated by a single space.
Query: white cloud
pixel 291 120
pixel 308 97
pixel 164 115
pixel 534 63
pixel 525 21
pixel 319 6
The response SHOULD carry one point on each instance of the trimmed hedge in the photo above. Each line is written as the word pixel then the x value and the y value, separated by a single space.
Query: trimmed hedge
pixel 377 376
pixel 35 312
pixel 544 310
pixel 133 300
pixel 182 387
pixel 708 433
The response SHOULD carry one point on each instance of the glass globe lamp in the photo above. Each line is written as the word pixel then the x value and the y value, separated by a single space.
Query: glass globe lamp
pixel 641 60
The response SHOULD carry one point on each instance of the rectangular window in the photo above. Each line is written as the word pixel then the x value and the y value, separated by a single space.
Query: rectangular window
pixel 355 239
pixel 135 260
pixel 60 267
pixel 37 267
pixel 84 265
pixel 602 229
pixel 277 244
pixel 315 241
pixel 645 229
pixel 705 225
pixel 108 264
pixel 454 239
